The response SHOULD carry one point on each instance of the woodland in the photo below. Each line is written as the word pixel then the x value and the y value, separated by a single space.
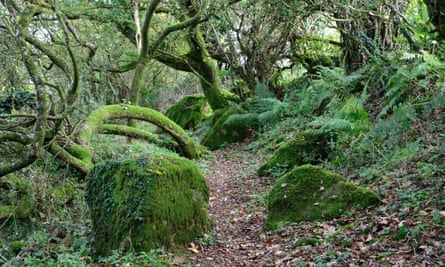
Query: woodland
pixel 220 117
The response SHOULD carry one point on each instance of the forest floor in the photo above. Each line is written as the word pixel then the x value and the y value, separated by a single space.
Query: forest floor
pixel 237 208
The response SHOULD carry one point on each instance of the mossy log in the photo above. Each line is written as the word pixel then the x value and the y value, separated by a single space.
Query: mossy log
pixel 146 202
pixel 97 119
pixel 310 193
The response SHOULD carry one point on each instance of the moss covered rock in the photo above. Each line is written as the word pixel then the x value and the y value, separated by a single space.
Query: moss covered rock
pixel 143 203
pixel 15 197
pixel 304 148
pixel 189 111
pixel 231 127
pixel 310 193
pixel 63 193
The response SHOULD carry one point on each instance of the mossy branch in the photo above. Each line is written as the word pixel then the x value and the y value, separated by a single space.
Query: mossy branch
pixel 98 117
pixel 82 164
pixel 18 165
pixel 135 133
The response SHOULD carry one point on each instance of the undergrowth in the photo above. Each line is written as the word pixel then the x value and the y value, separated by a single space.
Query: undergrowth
pixel 388 117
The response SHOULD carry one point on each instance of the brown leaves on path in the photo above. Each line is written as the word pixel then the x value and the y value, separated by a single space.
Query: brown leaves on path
pixel 237 210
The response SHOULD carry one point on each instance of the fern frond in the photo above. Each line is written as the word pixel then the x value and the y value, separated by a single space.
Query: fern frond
pixel 324 125
pixel 262 91
pixel 351 118
pixel 336 80
pixel 311 98
pixel 247 119
pixel 437 101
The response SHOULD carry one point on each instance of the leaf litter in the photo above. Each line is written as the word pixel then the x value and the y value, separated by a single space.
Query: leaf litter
pixel 390 235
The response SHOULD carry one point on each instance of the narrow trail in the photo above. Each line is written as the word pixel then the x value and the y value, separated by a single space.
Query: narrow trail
pixel 237 209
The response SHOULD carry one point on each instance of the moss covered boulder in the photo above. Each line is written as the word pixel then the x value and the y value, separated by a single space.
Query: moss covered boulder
pixel 304 148
pixel 63 193
pixel 146 202
pixel 231 127
pixel 310 193
pixel 15 197
pixel 189 111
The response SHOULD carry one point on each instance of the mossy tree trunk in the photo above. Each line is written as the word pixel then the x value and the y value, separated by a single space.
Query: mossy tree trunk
pixel 199 62
pixel 369 29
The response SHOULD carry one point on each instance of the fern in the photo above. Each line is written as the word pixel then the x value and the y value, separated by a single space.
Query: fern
pixel 311 98
pixel 396 87
pixel 437 101
pixel 248 119
pixel 351 118
pixel 266 106
pixel 335 80
pixel 416 74
pixel 262 91
pixel 324 125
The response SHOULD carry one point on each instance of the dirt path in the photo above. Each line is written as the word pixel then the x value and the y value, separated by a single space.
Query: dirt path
pixel 237 210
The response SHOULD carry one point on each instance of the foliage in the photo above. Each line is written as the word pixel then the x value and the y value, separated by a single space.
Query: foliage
pixel 351 118
pixel 369 72
pixel 230 126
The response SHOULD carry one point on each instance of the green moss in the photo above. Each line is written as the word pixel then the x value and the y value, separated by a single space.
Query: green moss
pixel 189 111
pixel 231 127
pixel 11 181
pixel 25 207
pixel 6 211
pixel 63 193
pixel 308 241
pixel 304 148
pixel 17 246
pixel 146 202
pixel 309 193
pixel 81 152
pixel 18 201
